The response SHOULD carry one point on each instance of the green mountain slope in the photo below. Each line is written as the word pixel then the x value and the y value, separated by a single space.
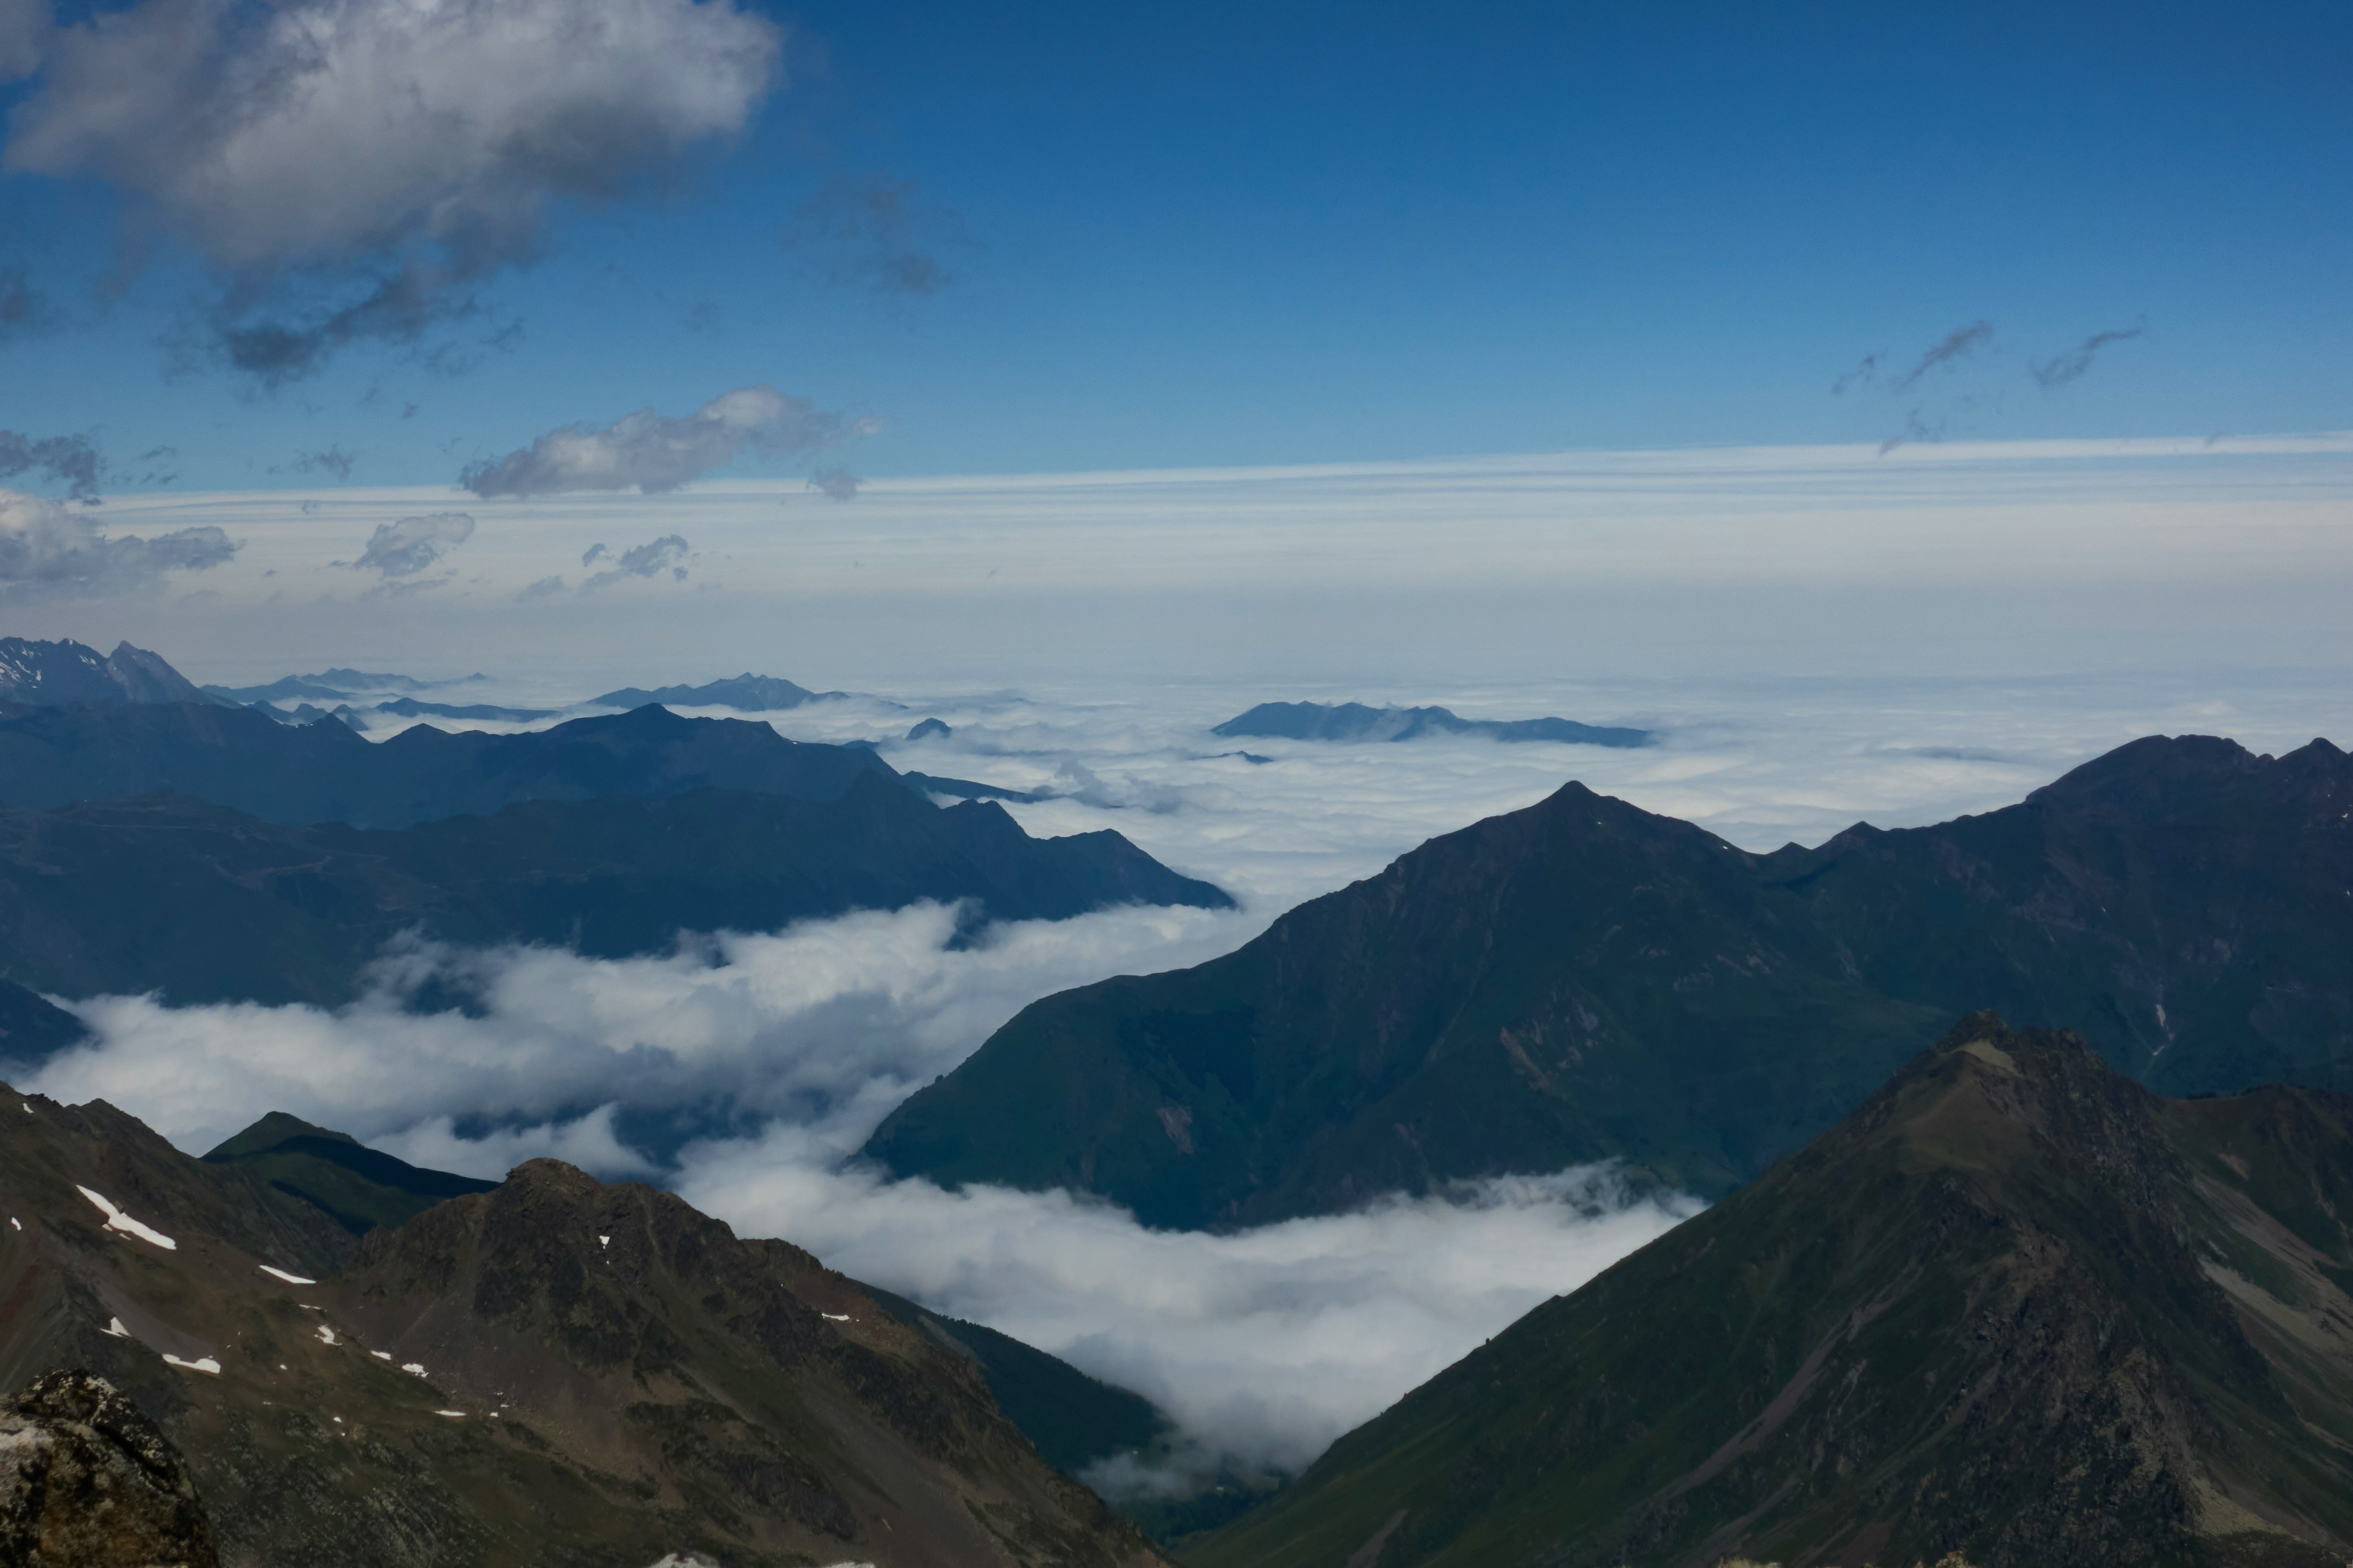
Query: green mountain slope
pixel 2016 1306
pixel 361 1188
pixel 1583 980
pixel 554 1372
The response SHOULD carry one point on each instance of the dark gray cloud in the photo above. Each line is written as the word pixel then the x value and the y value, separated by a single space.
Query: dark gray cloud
pixel 837 482
pixel 1958 344
pixel 50 551
pixel 1864 370
pixel 24 26
pixel 2067 366
pixel 412 545
pixel 875 232
pixel 649 560
pixel 649 452
pixel 21 305
pixel 71 461
pixel 545 588
pixel 352 169
pixel 327 460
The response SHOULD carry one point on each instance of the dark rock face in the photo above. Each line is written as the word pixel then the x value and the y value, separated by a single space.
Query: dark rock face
pixel 2015 1306
pixel 1584 980
pixel 87 1481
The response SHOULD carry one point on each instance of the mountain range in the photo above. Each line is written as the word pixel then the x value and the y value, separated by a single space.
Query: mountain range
pixel 2015 1307
pixel 50 673
pixel 201 903
pixel 554 1370
pixel 1583 980
pixel 51 756
pixel 1355 722
pixel 747 693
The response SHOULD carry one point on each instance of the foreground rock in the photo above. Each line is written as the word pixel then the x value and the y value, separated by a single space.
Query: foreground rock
pixel 87 1481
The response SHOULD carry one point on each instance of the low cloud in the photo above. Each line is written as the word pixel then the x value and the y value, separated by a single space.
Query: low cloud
pixel 1265 1344
pixel 651 452
pixel 649 560
pixel 543 589
pixel 72 460
pixel 876 232
pixel 2066 368
pixel 48 552
pixel 352 169
pixel 414 544
pixel 21 305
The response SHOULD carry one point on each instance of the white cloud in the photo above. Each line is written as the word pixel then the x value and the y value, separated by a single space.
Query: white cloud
pixel 420 144
pixel 48 551
pixel 414 544
pixel 650 452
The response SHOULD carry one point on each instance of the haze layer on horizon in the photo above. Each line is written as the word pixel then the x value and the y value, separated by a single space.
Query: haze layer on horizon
pixel 1961 558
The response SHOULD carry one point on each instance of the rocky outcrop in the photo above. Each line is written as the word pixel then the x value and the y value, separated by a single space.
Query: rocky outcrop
pixel 87 1481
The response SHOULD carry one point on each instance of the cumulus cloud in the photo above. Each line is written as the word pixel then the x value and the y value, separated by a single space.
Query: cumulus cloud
pixel 2066 368
pixel 72 459
pixel 48 552
pixel 414 544
pixel 352 167
pixel 327 460
pixel 1265 1344
pixel 649 452
pixel 650 559
pixel 837 483
pixel 875 232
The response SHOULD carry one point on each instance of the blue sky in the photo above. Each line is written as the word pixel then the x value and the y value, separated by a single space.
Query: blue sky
pixel 1242 233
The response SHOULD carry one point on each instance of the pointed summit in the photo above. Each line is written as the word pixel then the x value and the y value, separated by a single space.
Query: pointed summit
pixel 2015 1307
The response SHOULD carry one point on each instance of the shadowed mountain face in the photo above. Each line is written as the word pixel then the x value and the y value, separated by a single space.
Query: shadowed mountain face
pixel 325 773
pixel 204 904
pixel 2015 1307
pixel 1355 722
pixel 47 674
pixel 556 1371
pixel 361 1188
pixel 1583 980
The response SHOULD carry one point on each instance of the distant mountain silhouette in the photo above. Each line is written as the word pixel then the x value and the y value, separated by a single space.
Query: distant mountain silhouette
pixel 1583 980
pixel 201 903
pixel 2014 1308
pixel 46 674
pixel 747 693
pixel 326 772
pixel 1355 722
pixel 552 1371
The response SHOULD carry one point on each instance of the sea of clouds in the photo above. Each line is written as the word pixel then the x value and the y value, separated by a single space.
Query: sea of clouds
pixel 745 1070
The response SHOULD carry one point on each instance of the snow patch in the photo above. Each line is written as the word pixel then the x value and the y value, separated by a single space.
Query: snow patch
pixel 453 1415
pixel 380 1355
pixel 202 1363
pixel 410 1367
pixel 289 1279
pixel 326 1333
pixel 117 1220
pixel 835 1317
pixel 604 1241
pixel 14 1224
pixel 114 1328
